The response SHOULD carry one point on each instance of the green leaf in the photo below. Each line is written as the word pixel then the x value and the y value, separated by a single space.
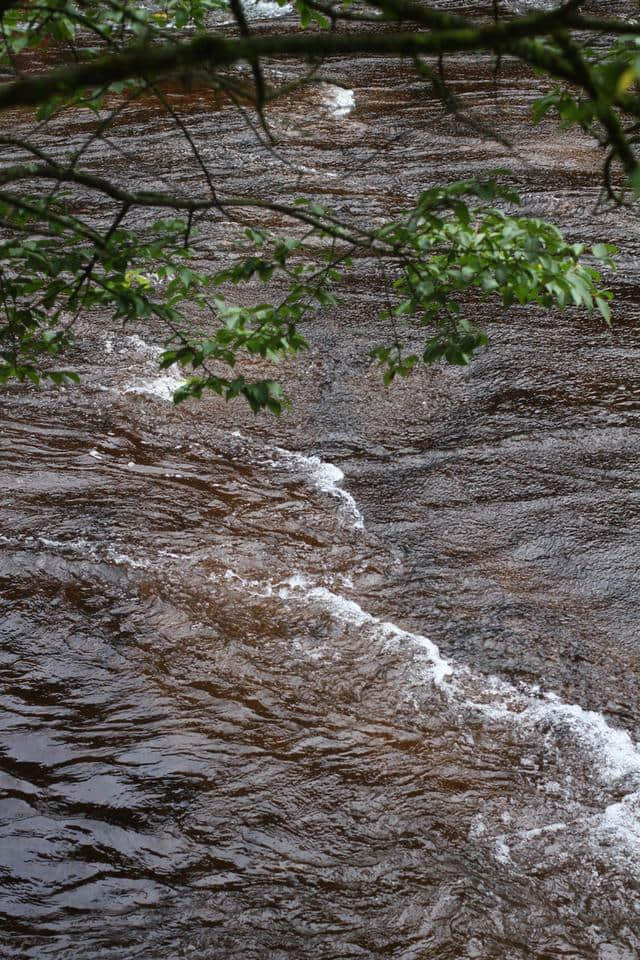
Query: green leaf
pixel 601 251
pixel 604 308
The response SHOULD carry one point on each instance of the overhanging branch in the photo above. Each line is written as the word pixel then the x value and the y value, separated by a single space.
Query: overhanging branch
pixel 212 52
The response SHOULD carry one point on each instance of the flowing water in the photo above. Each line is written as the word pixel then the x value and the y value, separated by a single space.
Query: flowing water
pixel 360 683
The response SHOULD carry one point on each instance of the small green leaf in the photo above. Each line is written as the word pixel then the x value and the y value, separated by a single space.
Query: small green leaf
pixel 604 308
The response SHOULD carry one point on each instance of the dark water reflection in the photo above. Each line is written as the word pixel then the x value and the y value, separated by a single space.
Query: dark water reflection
pixel 218 740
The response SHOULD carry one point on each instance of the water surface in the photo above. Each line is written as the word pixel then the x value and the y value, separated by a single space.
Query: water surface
pixel 253 709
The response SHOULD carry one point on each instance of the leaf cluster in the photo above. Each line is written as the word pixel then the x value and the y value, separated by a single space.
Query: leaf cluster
pixel 453 254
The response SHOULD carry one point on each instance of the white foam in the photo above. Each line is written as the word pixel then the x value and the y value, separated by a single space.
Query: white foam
pixel 529 6
pixel 93 552
pixel 163 386
pixel 339 100
pixel 265 9
pixel 618 827
pixel 124 559
pixel 325 477
pixel 141 346
pixel 613 755
pixel 502 851
pixel 343 609
pixel 292 584
pixel 618 756
pixel 261 10
pixel 89 550
pixel 540 831
pixel 257 588
pixel 477 827
pixel 80 545
pixel 350 612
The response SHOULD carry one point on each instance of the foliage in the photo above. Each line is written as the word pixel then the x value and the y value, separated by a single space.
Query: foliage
pixel 460 244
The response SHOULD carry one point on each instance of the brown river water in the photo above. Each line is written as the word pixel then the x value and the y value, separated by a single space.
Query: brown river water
pixel 358 683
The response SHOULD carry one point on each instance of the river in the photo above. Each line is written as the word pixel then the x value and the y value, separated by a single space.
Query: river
pixel 361 682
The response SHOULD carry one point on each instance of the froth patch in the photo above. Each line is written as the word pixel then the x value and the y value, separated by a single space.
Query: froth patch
pixel 339 100
pixel 327 478
pixel 162 387
pixel 265 9
pixel 164 384
pixel 618 827
pixel 299 587
pixel 617 753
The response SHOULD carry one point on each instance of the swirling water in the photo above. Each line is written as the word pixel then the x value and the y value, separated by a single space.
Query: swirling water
pixel 359 684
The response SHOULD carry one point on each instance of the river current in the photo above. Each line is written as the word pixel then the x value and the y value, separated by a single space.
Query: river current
pixel 361 682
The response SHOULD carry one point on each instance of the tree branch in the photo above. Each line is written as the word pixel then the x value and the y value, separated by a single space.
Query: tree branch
pixel 212 52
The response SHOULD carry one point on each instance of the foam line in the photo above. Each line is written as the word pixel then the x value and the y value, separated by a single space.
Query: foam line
pixel 327 478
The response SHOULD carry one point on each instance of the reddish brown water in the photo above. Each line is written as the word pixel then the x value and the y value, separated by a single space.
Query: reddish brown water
pixel 225 732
